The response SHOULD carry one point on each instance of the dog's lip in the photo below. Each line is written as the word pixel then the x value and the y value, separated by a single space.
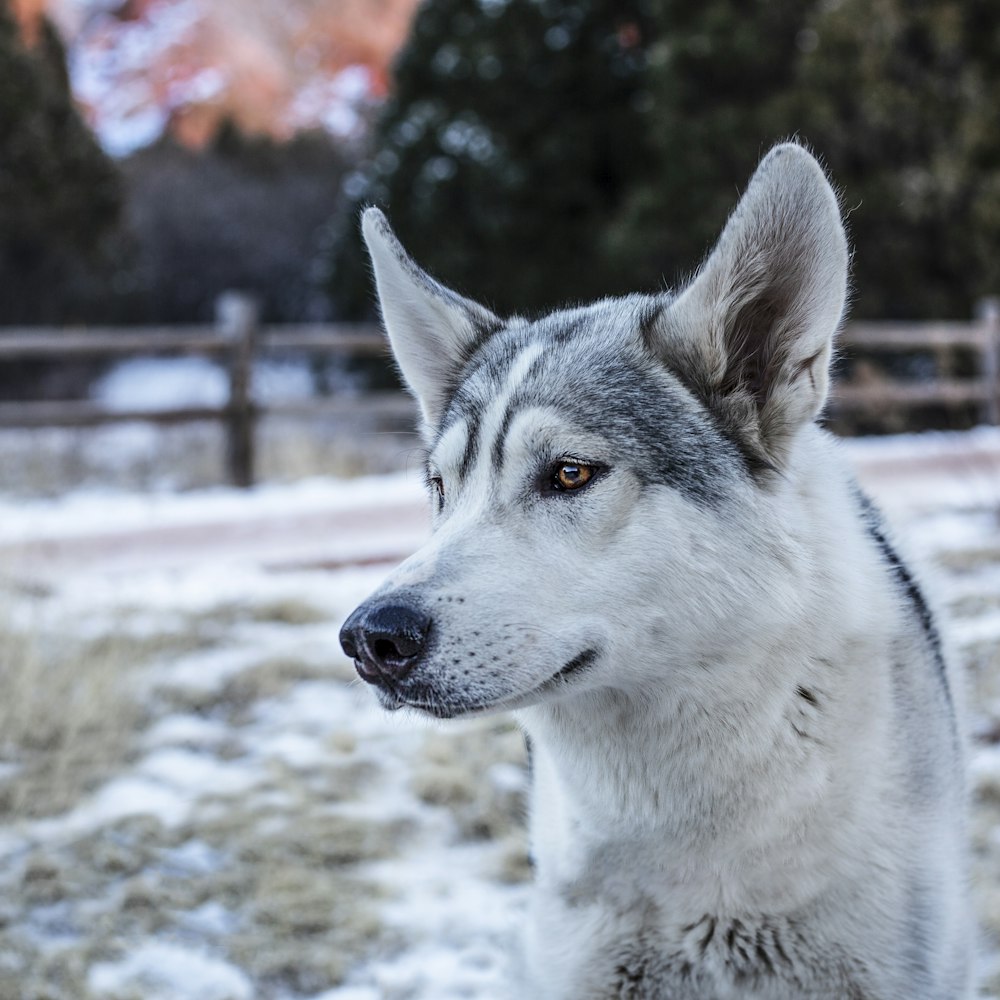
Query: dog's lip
pixel 450 709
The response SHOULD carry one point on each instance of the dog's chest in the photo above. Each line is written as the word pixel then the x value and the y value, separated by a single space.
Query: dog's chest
pixel 718 954
pixel 714 958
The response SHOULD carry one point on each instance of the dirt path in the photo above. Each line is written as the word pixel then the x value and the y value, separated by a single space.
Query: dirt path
pixel 954 466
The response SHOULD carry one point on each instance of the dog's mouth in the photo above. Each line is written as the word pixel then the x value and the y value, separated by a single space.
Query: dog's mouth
pixel 444 705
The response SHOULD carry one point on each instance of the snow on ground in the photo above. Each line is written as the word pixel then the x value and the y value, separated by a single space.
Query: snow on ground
pixel 157 383
pixel 85 514
pixel 257 827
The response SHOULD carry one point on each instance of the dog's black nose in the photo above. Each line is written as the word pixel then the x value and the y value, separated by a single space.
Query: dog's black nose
pixel 385 640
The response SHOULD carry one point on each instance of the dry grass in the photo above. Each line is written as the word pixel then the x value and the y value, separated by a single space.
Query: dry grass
pixel 292 448
pixel 68 718
pixel 142 647
pixel 465 772
pixel 82 895
pixel 301 917
pixel 278 611
pixel 52 461
pixel 280 861
pixel 234 700
pixel 308 917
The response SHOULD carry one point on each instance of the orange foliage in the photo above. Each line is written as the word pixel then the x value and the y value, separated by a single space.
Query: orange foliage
pixel 29 14
pixel 245 60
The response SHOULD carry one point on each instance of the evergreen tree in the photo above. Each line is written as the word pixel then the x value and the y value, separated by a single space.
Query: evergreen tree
pixel 513 135
pixel 721 75
pixel 542 151
pixel 245 212
pixel 59 193
pixel 902 99
pixel 898 97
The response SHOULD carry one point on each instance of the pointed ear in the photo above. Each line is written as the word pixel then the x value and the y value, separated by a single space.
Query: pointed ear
pixel 753 331
pixel 432 330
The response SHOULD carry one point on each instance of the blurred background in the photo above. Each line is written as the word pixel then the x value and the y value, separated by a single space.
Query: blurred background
pixel 158 154
pixel 206 459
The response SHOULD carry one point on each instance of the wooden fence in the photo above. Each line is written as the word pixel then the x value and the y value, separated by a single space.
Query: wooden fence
pixel 238 339
pixel 981 338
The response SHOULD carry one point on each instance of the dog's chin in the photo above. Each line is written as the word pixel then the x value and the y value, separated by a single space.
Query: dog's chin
pixel 447 704
pixel 440 704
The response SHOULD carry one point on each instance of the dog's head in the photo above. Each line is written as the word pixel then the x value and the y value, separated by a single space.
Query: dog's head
pixel 600 477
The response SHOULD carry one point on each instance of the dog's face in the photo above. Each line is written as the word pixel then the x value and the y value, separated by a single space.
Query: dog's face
pixel 600 477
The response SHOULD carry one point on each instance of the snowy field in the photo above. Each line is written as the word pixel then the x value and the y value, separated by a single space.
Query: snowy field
pixel 198 801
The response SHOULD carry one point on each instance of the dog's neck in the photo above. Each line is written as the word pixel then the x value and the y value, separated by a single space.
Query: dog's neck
pixel 675 769
pixel 716 794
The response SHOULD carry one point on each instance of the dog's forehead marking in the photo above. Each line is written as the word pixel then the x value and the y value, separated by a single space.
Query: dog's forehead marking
pixel 540 425
pixel 451 445
pixel 483 402
pixel 496 413
pixel 522 365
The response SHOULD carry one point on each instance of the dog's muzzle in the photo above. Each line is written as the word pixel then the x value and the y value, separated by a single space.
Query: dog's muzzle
pixel 385 641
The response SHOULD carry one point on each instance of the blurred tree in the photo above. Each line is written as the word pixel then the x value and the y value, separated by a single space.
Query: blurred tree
pixel 59 193
pixel 901 98
pixel 246 213
pixel 541 151
pixel 898 97
pixel 721 75
pixel 513 136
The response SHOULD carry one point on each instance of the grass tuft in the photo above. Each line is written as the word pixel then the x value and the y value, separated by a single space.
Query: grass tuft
pixel 68 719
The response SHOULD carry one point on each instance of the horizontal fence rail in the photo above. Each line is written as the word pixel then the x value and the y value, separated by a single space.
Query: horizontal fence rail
pixel 892 334
pixel 980 337
pixel 350 339
pixel 238 340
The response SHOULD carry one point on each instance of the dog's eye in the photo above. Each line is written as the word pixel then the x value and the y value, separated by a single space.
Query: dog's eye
pixel 571 476
pixel 438 483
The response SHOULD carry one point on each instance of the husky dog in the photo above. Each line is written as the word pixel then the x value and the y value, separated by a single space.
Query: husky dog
pixel 747 756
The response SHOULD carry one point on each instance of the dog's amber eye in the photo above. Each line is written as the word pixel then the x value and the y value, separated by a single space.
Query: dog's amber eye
pixel 571 475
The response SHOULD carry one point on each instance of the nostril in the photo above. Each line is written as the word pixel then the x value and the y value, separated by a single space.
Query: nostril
pixel 385 640
pixel 385 649
pixel 400 646
pixel 395 647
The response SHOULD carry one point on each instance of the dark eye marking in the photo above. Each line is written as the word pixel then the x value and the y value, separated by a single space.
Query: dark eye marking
pixel 436 484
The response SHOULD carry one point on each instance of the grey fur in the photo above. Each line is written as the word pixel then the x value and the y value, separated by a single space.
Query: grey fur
pixel 652 419
pixel 746 730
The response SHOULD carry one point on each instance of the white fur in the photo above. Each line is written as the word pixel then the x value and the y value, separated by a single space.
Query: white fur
pixel 429 326
pixel 755 789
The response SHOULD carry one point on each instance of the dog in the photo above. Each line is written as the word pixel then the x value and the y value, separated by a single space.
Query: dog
pixel 746 743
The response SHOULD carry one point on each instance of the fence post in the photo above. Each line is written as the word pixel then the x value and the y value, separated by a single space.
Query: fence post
pixel 988 313
pixel 236 315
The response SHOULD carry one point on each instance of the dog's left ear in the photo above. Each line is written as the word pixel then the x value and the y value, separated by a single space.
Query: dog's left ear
pixel 431 328
pixel 753 331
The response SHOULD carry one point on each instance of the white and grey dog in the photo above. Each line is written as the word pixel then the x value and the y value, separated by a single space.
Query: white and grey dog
pixel 748 764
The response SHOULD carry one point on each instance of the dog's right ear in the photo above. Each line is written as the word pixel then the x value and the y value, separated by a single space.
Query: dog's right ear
pixel 431 328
